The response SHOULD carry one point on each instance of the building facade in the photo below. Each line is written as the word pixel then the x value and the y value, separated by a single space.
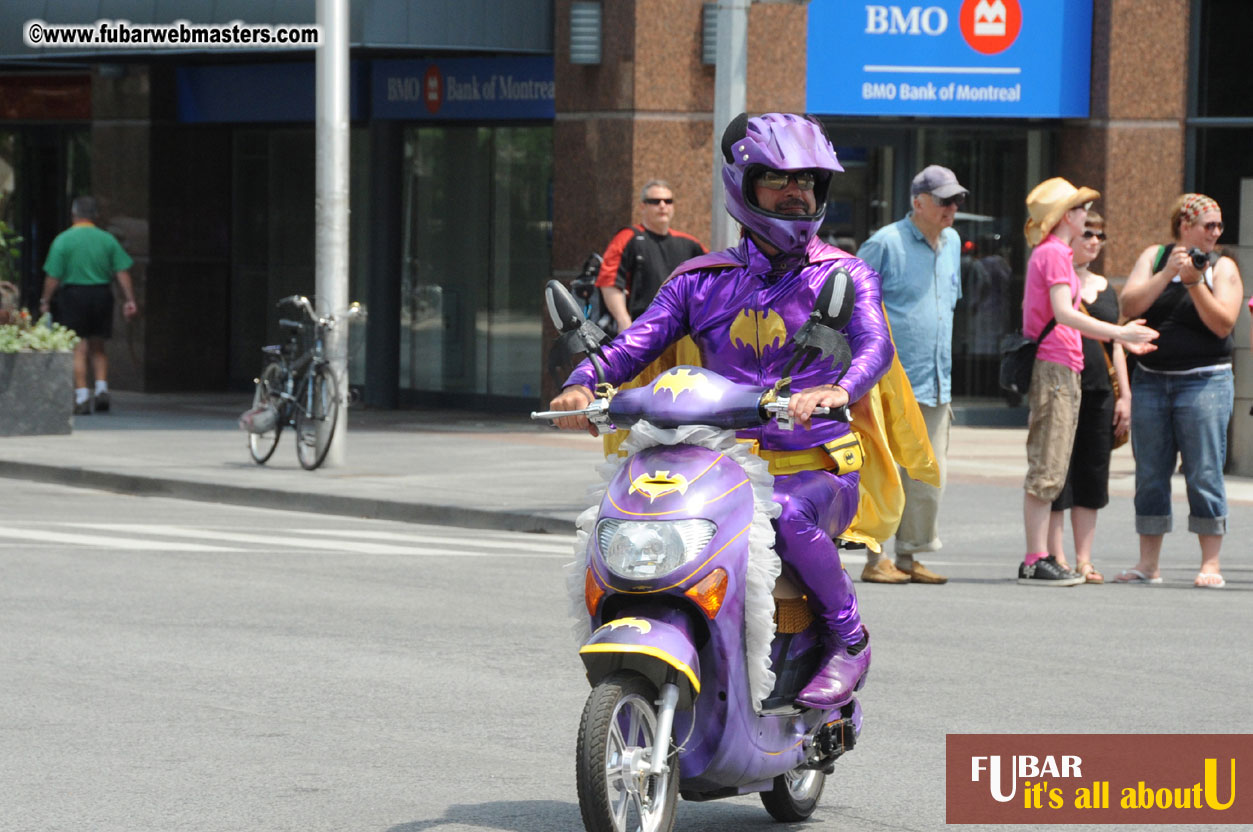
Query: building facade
pixel 485 160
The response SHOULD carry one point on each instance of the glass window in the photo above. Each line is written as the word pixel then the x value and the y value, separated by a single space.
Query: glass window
pixel 1225 70
pixel 992 161
pixel 477 240
pixel 1222 161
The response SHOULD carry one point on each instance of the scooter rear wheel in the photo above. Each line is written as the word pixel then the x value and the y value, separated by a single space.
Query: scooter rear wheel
pixel 795 795
pixel 619 725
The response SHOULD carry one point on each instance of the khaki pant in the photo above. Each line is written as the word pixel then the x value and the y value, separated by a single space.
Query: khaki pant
pixel 920 528
pixel 1054 400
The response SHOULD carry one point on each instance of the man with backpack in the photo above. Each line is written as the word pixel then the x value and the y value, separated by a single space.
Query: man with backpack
pixel 640 257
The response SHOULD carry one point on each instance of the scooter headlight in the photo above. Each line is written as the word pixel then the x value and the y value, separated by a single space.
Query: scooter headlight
pixel 635 549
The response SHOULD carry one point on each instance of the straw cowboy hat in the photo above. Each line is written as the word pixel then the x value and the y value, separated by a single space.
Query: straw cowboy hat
pixel 1049 201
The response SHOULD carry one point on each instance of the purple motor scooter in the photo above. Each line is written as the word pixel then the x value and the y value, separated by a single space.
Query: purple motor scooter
pixel 696 646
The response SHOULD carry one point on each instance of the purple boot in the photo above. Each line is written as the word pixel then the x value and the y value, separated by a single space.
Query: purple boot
pixel 843 670
pixel 815 506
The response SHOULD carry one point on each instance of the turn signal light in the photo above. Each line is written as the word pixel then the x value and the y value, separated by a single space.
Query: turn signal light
pixel 710 592
pixel 592 593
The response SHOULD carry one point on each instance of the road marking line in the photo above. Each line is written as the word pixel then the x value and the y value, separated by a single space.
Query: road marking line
pixel 472 537
pixel 277 540
pixel 101 542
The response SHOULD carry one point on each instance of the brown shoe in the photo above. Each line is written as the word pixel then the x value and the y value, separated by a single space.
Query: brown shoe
pixel 883 572
pixel 920 574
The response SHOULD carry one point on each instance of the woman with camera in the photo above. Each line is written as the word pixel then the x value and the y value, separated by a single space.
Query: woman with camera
pixel 1182 394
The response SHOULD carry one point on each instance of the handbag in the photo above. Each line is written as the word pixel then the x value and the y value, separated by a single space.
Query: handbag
pixel 1018 358
pixel 1119 441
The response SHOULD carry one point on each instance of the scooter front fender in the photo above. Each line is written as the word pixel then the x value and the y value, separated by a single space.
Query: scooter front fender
pixel 651 644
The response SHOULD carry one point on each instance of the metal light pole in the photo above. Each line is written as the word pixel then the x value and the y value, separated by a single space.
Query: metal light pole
pixel 331 198
pixel 729 101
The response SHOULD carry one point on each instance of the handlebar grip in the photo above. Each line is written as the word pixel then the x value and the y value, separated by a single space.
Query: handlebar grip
pixel 839 414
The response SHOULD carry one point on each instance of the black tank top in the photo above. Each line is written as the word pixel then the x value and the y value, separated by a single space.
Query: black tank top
pixel 1186 343
pixel 1095 374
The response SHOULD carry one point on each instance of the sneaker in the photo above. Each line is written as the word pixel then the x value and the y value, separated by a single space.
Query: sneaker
pixel 1046 572
pixel 102 402
pixel 83 408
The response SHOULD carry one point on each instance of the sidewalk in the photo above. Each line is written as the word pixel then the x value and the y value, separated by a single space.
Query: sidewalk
pixel 492 471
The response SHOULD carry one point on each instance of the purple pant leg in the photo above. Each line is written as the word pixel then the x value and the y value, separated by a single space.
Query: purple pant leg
pixel 818 505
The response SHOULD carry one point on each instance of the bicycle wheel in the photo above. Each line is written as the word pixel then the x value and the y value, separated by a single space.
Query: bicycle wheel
pixel 269 386
pixel 317 409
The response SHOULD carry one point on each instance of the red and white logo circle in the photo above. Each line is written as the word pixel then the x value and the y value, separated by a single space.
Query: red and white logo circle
pixel 991 26
pixel 433 89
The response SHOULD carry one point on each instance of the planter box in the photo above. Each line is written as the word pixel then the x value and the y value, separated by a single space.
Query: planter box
pixel 36 393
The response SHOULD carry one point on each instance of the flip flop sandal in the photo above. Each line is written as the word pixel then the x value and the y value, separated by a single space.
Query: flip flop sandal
pixel 1090 573
pixel 1135 576
pixel 1209 580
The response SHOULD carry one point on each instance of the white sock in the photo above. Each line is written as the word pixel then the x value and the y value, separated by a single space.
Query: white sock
pixel 905 562
pixel 873 557
pixel 101 387
pixel 80 395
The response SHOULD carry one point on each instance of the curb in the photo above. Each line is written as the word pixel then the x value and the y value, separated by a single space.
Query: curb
pixel 426 513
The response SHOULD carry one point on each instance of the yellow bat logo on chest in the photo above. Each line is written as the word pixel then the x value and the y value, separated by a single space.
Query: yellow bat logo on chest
pixel 680 380
pixel 659 484
pixel 758 330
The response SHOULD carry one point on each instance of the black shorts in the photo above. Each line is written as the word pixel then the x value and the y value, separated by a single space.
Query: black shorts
pixel 88 310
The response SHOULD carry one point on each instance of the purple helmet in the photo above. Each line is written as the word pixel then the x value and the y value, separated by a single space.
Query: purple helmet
pixel 781 141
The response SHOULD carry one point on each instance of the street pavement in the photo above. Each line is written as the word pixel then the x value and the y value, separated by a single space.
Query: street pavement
pixel 171 665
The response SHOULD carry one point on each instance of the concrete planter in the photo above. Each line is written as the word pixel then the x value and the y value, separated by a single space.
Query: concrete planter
pixel 36 393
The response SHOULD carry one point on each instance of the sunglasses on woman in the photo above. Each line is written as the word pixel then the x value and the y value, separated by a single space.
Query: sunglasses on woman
pixel 1088 234
pixel 776 180
pixel 1214 226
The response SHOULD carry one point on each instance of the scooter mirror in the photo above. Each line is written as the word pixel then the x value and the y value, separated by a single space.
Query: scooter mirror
pixel 834 304
pixel 563 309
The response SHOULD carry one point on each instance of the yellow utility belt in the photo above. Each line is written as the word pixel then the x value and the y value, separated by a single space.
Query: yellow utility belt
pixel 843 456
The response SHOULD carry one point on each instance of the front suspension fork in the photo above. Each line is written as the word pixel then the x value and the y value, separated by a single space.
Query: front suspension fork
pixel 665 723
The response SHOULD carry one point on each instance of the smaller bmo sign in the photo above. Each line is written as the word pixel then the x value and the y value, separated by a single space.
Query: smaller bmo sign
pixel 966 58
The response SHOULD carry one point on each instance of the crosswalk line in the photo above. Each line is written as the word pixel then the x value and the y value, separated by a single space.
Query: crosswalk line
pixel 15 536
pixel 287 541
pixel 559 545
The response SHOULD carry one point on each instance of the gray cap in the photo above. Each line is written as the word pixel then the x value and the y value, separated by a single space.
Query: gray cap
pixel 937 181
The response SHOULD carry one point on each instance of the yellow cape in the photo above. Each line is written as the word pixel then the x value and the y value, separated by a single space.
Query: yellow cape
pixel 886 420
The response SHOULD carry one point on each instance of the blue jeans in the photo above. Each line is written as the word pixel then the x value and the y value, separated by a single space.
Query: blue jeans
pixel 1181 416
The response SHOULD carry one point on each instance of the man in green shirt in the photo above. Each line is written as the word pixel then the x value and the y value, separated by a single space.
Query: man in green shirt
pixel 81 266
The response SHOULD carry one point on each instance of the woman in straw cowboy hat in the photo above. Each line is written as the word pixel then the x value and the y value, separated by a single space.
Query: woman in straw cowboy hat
pixel 1193 296
pixel 1058 211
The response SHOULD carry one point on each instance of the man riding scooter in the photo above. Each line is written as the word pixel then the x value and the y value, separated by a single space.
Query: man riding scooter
pixel 742 306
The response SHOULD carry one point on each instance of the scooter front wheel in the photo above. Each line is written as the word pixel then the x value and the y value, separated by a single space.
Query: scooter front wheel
pixel 616 737
pixel 795 795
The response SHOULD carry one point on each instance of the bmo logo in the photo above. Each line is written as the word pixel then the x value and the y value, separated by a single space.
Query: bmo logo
pixel 990 26
pixel 897 20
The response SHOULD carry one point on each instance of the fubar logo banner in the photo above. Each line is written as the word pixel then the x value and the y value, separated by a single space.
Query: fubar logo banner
pixel 1099 778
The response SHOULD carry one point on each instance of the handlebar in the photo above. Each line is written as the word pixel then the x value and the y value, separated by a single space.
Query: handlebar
pixel 355 311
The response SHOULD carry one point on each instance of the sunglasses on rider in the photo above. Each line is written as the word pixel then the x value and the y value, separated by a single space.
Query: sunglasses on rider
pixel 657 200
pixel 957 199
pixel 776 180
pixel 1088 234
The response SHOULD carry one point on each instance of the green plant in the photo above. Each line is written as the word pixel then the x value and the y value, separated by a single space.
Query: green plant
pixel 44 336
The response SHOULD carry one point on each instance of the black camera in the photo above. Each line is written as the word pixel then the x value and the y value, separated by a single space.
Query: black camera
pixel 1200 260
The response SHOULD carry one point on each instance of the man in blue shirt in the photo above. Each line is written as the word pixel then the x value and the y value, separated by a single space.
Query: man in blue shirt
pixel 919 259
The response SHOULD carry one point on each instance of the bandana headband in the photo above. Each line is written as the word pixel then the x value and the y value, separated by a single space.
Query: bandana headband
pixel 1194 205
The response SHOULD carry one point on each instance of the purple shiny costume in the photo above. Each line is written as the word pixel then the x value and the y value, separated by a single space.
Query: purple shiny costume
pixel 742 311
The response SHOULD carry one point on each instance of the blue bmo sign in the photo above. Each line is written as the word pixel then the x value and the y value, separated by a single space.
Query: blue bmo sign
pixel 955 58
pixel 463 88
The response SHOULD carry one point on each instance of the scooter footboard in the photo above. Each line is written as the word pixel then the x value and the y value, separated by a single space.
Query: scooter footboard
pixel 651 646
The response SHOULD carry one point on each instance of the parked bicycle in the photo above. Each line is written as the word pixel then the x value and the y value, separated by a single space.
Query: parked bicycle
pixel 297 388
